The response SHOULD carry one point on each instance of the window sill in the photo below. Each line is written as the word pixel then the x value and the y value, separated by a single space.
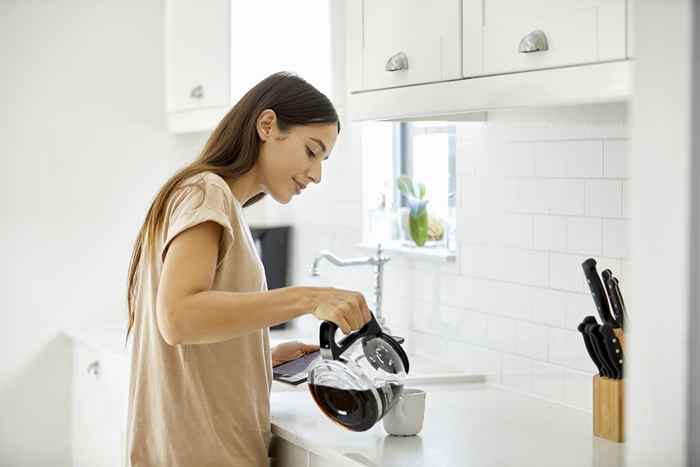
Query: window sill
pixel 433 253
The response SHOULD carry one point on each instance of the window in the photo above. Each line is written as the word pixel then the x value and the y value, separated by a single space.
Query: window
pixel 425 151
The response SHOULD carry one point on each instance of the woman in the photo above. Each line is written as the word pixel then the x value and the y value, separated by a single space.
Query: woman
pixel 198 301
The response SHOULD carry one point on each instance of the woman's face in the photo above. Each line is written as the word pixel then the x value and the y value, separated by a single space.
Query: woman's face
pixel 289 161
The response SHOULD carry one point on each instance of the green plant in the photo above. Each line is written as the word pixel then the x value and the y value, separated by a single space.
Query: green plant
pixel 417 204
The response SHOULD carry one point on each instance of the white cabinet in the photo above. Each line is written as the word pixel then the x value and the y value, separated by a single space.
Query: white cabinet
pixel 406 42
pixel 496 62
pixel 99 399
pixel 285 454
pixel 196 54
pixel 575 32
pixel 217 50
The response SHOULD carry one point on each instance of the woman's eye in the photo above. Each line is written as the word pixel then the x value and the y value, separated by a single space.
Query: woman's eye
pixel 310 152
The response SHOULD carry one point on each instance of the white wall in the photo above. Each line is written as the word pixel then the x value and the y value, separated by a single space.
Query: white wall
pixel 84 148
pixel 660 241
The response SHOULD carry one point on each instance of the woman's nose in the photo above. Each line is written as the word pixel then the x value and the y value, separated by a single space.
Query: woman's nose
pixel 314 173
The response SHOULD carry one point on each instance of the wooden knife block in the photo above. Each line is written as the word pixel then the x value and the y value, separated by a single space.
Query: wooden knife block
pixel 609 404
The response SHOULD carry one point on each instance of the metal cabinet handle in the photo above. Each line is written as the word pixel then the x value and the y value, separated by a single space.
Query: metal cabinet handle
pixel 197 92
pixel 397 62
pixel 536 41
pixel 94 368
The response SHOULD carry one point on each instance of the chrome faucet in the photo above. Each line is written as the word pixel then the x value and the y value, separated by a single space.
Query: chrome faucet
pixel 378 261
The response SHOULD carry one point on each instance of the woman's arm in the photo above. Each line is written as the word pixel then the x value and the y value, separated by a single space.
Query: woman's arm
pixel 189 312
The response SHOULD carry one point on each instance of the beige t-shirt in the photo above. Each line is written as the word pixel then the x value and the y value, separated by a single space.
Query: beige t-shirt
pixel 197 405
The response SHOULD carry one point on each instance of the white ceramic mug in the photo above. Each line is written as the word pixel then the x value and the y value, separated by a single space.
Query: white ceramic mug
pixel 406 417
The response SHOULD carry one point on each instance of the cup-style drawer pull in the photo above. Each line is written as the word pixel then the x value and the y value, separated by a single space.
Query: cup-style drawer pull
pixel 197 92
pixel 536 41
pixel 94 368
pixel 397 62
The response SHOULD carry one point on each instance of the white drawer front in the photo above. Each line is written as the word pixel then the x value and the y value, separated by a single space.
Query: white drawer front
pixel 428 33
pixel 577 32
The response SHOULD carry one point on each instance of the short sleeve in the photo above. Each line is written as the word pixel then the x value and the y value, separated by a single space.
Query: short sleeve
pixel 197 202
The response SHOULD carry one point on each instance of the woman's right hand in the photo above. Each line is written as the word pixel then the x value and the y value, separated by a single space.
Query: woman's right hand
pixel 346 308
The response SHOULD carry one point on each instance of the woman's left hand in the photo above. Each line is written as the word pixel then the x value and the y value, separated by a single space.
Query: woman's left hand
pixel 287 351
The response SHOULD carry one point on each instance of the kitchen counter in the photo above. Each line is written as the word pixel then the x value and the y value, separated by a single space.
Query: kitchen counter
pixel 109 337
pixel 476 424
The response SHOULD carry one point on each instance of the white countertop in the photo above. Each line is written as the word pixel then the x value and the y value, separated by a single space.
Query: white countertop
pixel 475 424
pixel 109 336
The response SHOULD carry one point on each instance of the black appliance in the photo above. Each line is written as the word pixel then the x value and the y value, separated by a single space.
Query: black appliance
pixel 273 245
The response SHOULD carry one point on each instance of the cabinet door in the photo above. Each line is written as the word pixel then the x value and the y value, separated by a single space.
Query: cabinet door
pixel 288 37
pixel 576 32
pixel 197 54
pixel 100 391
pixel 285 454
pixel 428 34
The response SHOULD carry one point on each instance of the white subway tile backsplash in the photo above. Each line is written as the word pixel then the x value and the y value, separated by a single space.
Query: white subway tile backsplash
pixel 615 158
pixel 578 306
pixel 570 159
pixel 584 235
pixel 565 196
pixel 548 381
pixel 625 199
pixel 474 359
pixel 615 237
pixel 549 233
pixel 548 306
pixel 501 334
pixel 517 159
pixel 539 191
pixel 456 291
pixel 424 285
pixel 578 389
pixel 566 348
pixel 604 198
pixel 531 340
pixel 513 230
pixel 472 326
pixel 516 373
pixel 565 272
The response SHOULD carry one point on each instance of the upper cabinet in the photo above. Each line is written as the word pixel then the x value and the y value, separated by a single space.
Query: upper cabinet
pixel 456 59
pixel 409 42
pixel 504 36
pixel 197 56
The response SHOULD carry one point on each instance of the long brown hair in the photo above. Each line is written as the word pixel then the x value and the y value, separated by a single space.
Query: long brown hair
pixel 232 150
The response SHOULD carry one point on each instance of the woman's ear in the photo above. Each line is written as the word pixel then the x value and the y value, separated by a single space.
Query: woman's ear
pixel 265 125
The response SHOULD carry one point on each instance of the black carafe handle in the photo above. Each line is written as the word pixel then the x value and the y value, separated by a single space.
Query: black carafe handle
pixel 327 336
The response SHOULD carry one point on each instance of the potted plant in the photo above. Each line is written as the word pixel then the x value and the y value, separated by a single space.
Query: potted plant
pixel 418 212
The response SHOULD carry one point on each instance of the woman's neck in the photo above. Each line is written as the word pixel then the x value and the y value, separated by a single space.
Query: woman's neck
pixel 245 187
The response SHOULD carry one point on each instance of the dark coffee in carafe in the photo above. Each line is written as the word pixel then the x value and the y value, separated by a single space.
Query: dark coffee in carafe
pixel 356 410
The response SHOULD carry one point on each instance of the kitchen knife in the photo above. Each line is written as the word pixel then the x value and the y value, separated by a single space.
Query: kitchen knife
pixel 612 347
pixel 597 340
pixel 599 297
pixel 589 345
pixel 618 294
pixel 614 301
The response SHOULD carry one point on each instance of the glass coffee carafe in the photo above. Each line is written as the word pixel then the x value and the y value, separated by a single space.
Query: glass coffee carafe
pixel 359 379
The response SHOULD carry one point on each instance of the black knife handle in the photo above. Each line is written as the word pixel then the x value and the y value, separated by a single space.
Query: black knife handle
pixel 595 285
pixel 618 294
pixel 613 348
pixel 614 301
pixel 597 341
pixel 589 346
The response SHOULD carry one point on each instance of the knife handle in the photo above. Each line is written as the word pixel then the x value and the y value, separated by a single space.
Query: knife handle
pixel 589 346
pixel 596 286
pixel 620 334
pixel 614 301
